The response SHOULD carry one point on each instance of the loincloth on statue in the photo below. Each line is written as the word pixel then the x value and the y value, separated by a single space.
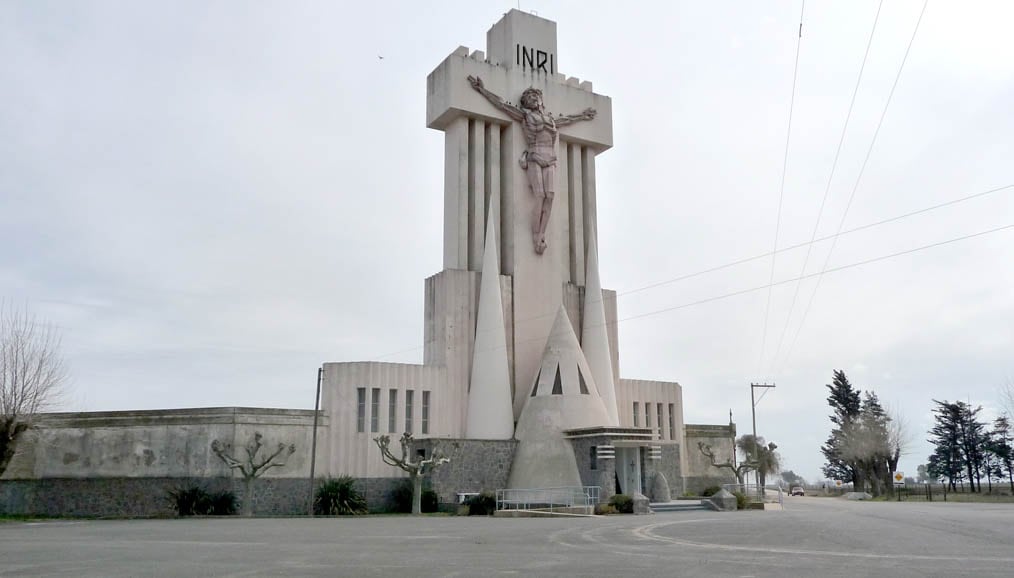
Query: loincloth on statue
pixel 541 159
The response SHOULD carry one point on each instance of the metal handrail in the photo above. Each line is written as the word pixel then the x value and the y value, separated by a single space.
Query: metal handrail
pixel 548 499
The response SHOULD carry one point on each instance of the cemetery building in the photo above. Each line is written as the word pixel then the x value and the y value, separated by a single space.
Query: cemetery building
pixel 520 384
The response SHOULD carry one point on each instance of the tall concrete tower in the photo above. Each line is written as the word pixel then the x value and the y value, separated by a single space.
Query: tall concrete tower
pixel 535 162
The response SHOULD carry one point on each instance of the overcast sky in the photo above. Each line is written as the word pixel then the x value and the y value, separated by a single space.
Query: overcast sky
pixel 211 199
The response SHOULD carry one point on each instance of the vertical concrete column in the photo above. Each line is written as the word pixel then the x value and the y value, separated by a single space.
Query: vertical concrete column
pixel 476 192
pixel 507 198
pixel 493 179
pixel 575 154
pixel 455 194
pixel 591 228
pixel 562 206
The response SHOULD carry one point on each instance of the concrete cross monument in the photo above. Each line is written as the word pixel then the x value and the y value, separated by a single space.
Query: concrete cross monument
pixel 520 141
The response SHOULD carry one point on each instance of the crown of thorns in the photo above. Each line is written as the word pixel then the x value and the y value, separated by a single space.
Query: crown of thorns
pixel 529 96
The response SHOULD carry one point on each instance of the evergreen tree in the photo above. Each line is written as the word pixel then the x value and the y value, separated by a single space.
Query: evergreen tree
pixel 845 402
pixel 1001 446
pixel 956 445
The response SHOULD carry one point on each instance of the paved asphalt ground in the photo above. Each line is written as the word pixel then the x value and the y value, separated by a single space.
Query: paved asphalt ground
pixel 812 537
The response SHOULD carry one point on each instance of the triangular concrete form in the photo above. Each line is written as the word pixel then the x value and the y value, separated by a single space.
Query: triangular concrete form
pixel 563 397
pixel 595 337
pixel 490 407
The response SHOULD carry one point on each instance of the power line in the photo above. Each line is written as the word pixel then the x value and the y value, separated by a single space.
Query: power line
pixel 855 187
pixel 830 177
pixel 818 240
pixel 832 270
pixel 781 187
pixel 790 280
pixel 763 255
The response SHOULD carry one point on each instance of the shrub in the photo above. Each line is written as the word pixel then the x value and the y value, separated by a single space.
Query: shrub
pixel 224 503
pixel 711 491
pixel 605 509
pixel 194 500
pixel 623 503
pixel 482 505
pixel 741 500
pixel 339 497
pixel 401 498
pixel 689 494
pixel 189 500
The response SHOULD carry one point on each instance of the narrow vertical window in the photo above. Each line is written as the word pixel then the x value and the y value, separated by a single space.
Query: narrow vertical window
pixel 672 421
pixel 426 412
pixel 375 410
pixel 392 410
pixel 360 409
pixel 637 418
pixel 594 457
pixel 647 414
pixel 661 409
pixel 409 394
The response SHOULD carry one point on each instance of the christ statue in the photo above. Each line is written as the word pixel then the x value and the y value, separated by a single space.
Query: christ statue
pixel 539 160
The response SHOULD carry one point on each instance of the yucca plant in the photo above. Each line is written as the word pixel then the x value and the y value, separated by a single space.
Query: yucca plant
pixel 339 497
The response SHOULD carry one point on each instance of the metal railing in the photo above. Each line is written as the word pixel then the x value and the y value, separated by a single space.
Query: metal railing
pixel 568 498
pixel 758 495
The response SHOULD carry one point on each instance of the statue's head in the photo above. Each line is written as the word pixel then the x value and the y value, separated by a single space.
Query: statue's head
pixel 531 99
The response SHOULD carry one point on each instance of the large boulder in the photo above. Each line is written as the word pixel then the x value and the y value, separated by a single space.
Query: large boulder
pixel 660 489
pixel 857 496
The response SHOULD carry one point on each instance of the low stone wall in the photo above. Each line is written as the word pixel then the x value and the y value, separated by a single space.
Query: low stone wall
pixel 139 497
pixel 475 466
pixel 149 497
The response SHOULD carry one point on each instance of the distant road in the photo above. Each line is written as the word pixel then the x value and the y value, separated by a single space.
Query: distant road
pixel 812 537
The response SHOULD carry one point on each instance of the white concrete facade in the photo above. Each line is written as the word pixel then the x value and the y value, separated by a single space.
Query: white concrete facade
pixel 488 201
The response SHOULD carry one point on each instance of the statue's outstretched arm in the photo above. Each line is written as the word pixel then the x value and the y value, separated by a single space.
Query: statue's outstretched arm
pixel 586 114
pixel 511 110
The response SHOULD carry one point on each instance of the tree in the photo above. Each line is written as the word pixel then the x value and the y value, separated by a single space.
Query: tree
pixel 923 475
pixel 845 402
pixel 767 459
pixel 791 478
pixel 249 466
pixel 869 446
pixel 865 444
pixel 416 469
pixel 959 441
pixel 947 458
pixel 32 375
pixel 739 470
pixel 1001 446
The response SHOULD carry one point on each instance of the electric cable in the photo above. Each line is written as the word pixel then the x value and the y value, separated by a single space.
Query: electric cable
pixel 781 187
pixel 830 177
pixel 855 187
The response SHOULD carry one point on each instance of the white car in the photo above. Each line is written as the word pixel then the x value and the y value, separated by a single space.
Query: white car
pixel 797 491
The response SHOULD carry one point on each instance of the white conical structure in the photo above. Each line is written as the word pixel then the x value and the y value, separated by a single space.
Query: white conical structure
pixel 595 337
pixel 563 397
pixel 490 407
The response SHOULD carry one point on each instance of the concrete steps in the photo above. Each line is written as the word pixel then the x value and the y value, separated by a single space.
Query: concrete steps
pixel 679 506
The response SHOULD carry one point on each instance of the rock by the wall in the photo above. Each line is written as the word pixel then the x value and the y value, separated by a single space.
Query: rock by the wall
pixel 660 488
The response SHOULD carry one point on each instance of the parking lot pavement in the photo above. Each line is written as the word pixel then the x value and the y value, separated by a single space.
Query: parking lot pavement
pixel 811 537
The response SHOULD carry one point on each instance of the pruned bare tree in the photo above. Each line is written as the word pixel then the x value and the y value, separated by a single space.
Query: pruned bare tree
pixel 739 470
pixel 249 466
pixel 32 375
pixel 417 469
pixel 1007 397
pixel 899 437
